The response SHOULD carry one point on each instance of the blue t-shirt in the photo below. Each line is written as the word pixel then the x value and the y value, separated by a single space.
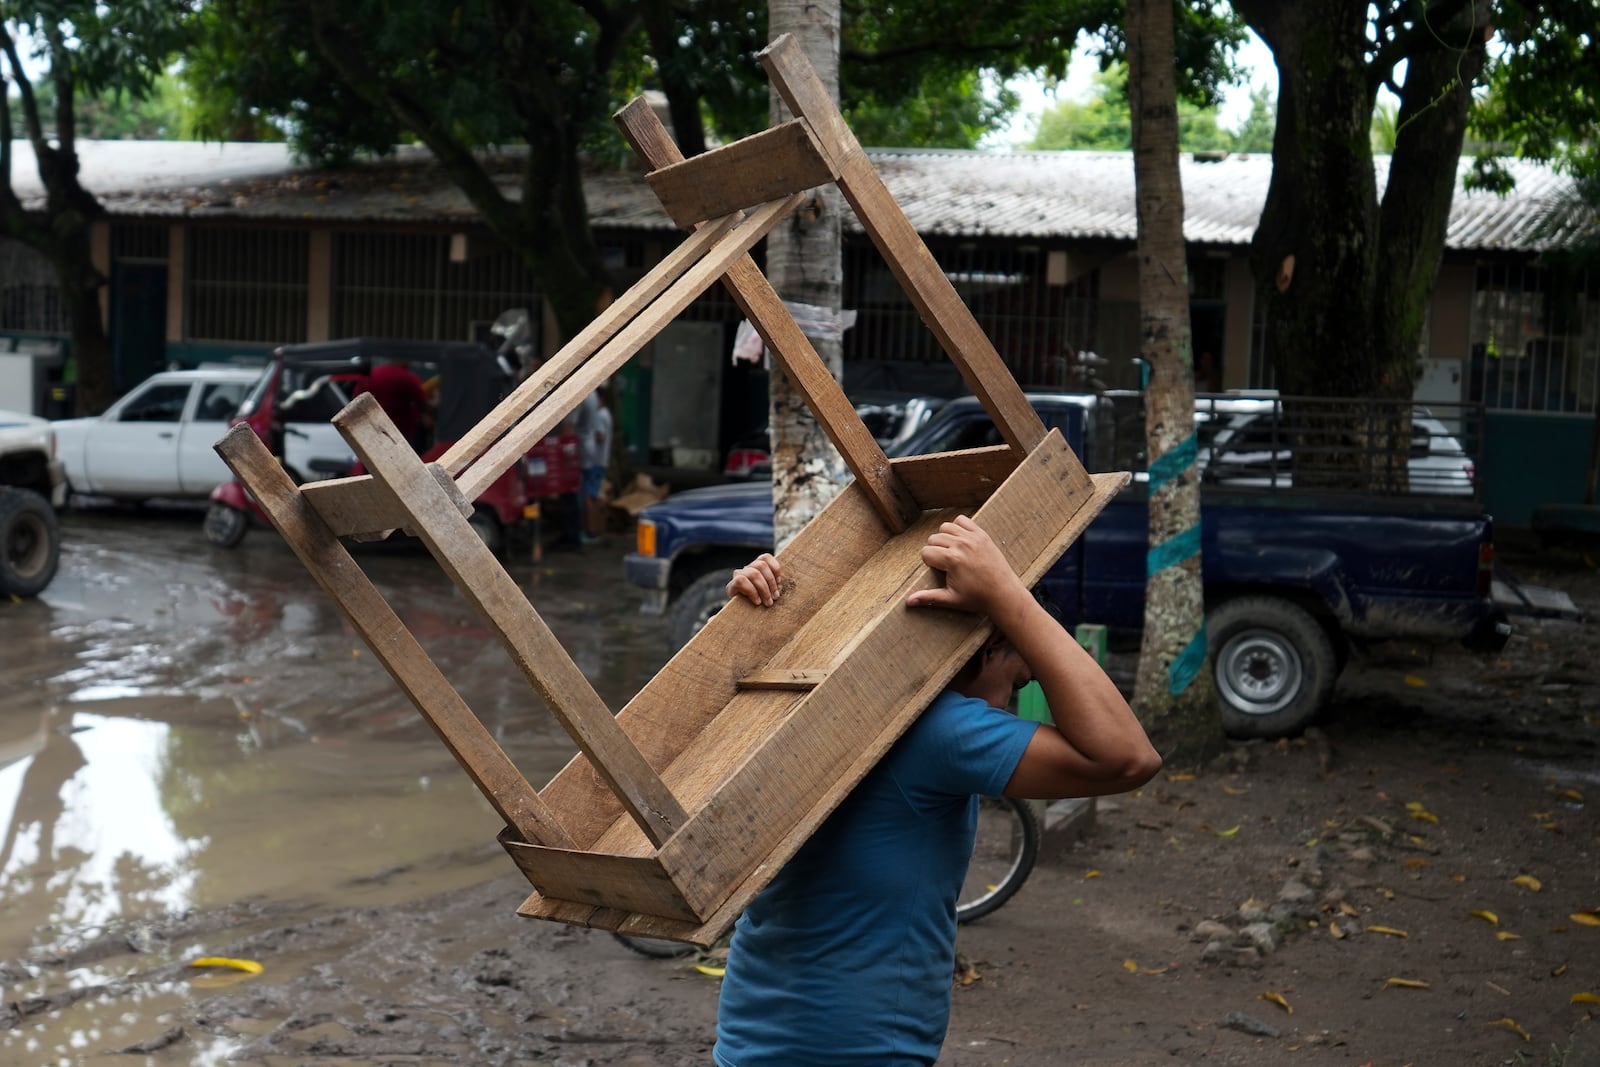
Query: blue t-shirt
pixel 846 957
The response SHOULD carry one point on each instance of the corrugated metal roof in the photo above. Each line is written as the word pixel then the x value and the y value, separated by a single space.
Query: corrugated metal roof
pixel 1025 195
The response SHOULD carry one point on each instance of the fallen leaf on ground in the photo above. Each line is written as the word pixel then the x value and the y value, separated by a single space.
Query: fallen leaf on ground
pixel 1487 916
pixel 1348 908
pixel 1279 1000
pixel 1333 928
pixel 1559 971
pixel 1585 998
pixel 1391 931
pixel 1506 935
pixel 1232 792
pixel 1090 874
pixel 1131 966
pixel 1180 776
pixel 1415 682
pixel 1528 882
pixel 1228 832
pixel 247 966
pixel 709 971
pixel 1405 983
pixel 1416 861
pixel 1571 794
pixel 1585 918
pixel 1509 1023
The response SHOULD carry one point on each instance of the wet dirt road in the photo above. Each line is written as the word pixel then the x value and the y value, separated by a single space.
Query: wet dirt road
pixel 185 728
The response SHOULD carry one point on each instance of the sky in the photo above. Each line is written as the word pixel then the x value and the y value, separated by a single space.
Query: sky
pixel 1255 58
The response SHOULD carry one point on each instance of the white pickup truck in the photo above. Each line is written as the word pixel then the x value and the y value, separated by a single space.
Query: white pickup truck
pixel 156 442
pixel 31 487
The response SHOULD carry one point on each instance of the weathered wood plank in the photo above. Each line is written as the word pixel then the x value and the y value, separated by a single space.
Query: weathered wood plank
pixel 688 694
pixel 532 427
pixel 490 590
pixel 555 370
pixel 893 668
pixel 791 348
pixel 361 508
pixel 902 248
pixel 623 883
pixel 965 478
pixel 331 565
pixel 753 170
pixel 782 679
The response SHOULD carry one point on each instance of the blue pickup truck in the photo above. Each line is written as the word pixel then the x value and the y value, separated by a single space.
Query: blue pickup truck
pixel 1294 579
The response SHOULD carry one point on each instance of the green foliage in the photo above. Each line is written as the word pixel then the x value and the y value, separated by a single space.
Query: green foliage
pixel 1103 122
pixel 953 114
pixel 1256 132
pixel 161 115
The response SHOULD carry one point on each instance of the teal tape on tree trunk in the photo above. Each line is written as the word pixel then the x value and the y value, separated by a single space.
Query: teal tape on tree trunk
pixel 1175 550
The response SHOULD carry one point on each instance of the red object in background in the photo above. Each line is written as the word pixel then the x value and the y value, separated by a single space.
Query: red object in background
pixel 554 466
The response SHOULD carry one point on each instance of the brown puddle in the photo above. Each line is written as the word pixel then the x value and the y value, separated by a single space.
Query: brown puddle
pixel 186 730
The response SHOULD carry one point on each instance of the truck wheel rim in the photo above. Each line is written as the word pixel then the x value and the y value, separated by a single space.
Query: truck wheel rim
pixel 28 546
pixel 1258 672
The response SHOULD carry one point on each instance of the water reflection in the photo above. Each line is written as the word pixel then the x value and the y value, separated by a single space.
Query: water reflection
pixel 87 828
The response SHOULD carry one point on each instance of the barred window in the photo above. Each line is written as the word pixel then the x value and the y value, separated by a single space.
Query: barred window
pixel 1535 339
pixel 30 298
pixel 406 285
pixel 247 284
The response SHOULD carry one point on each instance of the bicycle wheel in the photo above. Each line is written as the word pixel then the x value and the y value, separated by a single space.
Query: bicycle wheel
pixel 1002 857
pixel 655 948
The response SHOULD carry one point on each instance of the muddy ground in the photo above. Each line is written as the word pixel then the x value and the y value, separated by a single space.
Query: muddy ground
pixel 1412 880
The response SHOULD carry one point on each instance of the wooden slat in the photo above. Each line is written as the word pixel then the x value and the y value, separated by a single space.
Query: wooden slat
pixel 619 349
pixel 894 667
pixel 624 883
pixel 361 508
pixel 902 248
pixel 507 791
pixel 688 694
pixel 791 348
pixel 768 165
pixel 961 479
pixel 555 370
pixel 783 679
pixel 486 585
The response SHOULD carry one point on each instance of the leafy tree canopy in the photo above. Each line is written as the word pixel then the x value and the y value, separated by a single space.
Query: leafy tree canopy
pixel 1102 121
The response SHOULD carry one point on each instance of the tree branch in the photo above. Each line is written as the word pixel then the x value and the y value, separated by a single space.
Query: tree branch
pixel 1424 27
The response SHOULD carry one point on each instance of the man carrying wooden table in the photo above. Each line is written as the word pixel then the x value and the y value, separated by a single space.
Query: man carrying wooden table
pixel 846 957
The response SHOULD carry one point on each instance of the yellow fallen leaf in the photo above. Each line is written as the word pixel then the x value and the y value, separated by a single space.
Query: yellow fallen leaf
pixel 1571 794
pixel 1557 972
pixel 1090 874
pixel 1278 999
pixel 1232 792
pixel 1585 918
pixel 1228 832
pixel 1487 916
pixel 1180 776
pixel 1416 839
pixel 1405 983
pixel 1585 998
pixel 247 966
pixel 1528 882
pixel 1335 930
pixel 1511 1024
pixel 1415 805
pixel 1348 908
pixel 1506 935
pixel 1541 816
pixel 1426 816
pixel 1312 842
pixel 710 971
pixel 1416 861
pixel 1391 931
pixel 1131 966
pixel 1416 683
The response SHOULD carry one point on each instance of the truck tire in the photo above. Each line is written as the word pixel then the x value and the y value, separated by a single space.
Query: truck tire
pixel 1274 666
pixel 30 542
pixel 696 604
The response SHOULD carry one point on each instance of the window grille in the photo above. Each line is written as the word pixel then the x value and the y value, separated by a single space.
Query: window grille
pixel 143 241
pixel 247 284
pixel 30 298
pixel 403 285
pixel 1535 339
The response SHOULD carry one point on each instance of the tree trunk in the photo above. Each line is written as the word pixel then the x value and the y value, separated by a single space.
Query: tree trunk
pixel 1313 251
pixel 1173 693
pixel 805 266
pixel 80 291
